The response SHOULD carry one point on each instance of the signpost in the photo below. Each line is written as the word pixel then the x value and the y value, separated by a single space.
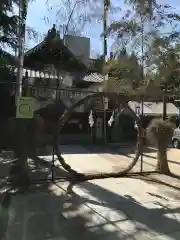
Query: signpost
pixel 24 108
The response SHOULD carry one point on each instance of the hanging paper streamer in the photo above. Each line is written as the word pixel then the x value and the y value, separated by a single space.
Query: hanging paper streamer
pixel 111 120
pixel 135 125
pixel 91 119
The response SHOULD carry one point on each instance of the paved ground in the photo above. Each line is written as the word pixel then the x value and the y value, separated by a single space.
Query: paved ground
pixel 173 159
pixel 122 208
pixel 117 159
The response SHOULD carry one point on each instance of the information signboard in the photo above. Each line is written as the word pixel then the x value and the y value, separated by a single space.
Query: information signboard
pixel 24 107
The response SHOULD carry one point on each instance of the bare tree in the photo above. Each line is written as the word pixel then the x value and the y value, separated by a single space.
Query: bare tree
pixel 75 16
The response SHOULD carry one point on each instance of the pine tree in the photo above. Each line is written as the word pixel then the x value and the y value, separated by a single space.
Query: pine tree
pixel 8 23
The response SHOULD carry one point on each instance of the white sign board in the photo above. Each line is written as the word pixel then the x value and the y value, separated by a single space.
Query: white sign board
pixel 24 107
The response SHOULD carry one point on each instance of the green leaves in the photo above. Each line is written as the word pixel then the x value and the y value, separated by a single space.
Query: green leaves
pixel 8 24
pixel 97 65
pixel 123 28
pixel 143 6
pixel 167 65
pixel 126 69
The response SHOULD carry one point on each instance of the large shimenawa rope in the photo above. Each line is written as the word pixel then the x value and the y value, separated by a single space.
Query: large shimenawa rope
pixel 67 115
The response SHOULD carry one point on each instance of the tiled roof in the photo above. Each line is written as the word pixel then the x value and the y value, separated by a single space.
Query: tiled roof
pixel 57 43
pixel 94 77
pixel 112 85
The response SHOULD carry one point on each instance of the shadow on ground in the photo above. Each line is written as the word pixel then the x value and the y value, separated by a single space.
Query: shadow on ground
pixel 155 219
pixel 86 210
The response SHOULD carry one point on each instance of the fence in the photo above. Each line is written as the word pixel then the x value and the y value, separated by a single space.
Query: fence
pixel 48 95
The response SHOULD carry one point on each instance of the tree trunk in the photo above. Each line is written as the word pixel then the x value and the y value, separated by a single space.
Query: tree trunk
pixel 162 163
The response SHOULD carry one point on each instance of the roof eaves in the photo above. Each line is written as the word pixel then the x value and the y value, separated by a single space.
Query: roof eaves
pixel 34 48
pixel 37 47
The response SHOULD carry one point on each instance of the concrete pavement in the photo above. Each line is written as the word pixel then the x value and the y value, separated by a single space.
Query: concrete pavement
pixel 123 208
pixel 101 209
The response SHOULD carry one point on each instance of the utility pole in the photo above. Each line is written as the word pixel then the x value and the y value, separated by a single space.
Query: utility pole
pixel 21 39
pixel 106 8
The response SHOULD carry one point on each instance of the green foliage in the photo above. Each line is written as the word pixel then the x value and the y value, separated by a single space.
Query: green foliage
pixel 126 69
pixel 156 54
pixel 97 64
pixel 6 60
pixel 145 6
pixel 8 24
pixel 166 60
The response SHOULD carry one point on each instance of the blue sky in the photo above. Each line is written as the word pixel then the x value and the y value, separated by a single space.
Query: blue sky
pixel 38 12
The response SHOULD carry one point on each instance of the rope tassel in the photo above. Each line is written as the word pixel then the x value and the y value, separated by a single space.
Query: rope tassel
pixel 111 120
